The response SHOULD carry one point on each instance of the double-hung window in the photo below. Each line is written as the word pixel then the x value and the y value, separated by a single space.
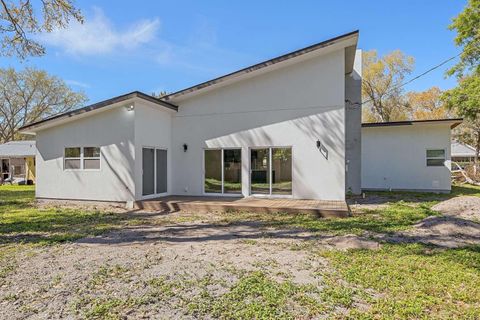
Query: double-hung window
pixel 82 158
pixel 91 158
pixel 73 158
pixel 435 157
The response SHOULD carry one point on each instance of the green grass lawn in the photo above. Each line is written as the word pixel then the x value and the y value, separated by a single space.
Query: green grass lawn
pixel 21 222
pixel 411 281
pixel 398 281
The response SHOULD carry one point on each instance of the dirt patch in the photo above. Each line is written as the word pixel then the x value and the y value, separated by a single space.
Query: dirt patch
pixel 351 242
pixel 457 227
pixel 116 207
pixel 442 231
pixel 140 264
pixel 466 207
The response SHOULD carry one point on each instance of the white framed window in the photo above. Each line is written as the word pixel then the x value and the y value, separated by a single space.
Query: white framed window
pixel 82 158
pixel 18 170
pixel 73 158
pixel 222 171
pixel 91 158
pixel 435 157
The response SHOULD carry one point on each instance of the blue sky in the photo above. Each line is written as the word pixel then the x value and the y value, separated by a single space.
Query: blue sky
pixel 169 45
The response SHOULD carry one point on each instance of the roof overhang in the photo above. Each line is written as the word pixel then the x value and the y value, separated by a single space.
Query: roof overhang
pixel 451 122
pixel 460 154
pixel 466 150
pixel 14 156
pixel 18 149
pixel 105 105
pixel 348 40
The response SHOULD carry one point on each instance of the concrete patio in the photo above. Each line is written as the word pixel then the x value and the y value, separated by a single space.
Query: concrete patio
pixel 322 208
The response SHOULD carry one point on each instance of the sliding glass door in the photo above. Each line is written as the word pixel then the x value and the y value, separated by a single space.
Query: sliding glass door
pixel 148 169
pixel 223 171
pixel 154 171
pixel 260 171
pixel 232 171
pixel 271 171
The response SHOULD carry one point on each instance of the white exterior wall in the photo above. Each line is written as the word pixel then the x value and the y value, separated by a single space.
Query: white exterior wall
pixel 153 128
pixel 394 157
pixel 111 130
pixel 292 106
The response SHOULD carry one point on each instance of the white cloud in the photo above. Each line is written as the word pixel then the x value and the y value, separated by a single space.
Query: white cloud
pixel 98 36
pixel 200 52
pixel 76 83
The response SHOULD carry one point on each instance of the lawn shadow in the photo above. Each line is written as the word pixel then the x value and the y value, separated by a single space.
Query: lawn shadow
pixel 386 197
pixel 58 225
pixel 199 232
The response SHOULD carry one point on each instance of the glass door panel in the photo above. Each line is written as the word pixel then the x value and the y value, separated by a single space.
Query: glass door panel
pixel 161 162
pixel 282 171
pixel 260 171
pixel 213 171
pixel 232 171
pixel 148 166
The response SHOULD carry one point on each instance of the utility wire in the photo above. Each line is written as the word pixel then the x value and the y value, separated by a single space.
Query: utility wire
pixel 413 79
pixel 354 104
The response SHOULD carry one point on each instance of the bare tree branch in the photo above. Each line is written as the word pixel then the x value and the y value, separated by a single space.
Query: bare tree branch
pixel 31 95
pixel 19 21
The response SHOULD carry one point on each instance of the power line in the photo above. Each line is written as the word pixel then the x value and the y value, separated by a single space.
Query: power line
pixel 414 78
pixel 317 107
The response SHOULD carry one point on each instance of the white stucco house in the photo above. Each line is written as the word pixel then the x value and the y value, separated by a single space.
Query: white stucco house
pixel 286 127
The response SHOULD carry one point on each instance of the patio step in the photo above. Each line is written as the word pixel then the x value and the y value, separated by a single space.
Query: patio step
pixel 324 209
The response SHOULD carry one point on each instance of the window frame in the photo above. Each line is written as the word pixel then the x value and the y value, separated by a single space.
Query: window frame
pixel 91 158
pixel 22 170
pixel 270 149
pixel 222 161
pixel 444 157
pixel 82 158
pixel 65 158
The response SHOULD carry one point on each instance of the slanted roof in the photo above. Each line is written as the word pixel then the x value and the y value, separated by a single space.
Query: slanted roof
pixel 453 123
pixel 459 149
pixel 348 41
pixel 18 149
pixel 32 127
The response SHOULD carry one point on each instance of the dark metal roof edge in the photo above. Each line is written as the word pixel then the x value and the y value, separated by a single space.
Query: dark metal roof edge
pixel 101 104
pixel 260 65
pixel 407 122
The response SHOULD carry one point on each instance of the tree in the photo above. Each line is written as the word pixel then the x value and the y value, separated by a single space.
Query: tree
pixel 382 77
pixel 467 26
pixel 19 21
pixel 31 95
pixel 465 101
pixel 427 104
pixel 468 132
pixel 159 94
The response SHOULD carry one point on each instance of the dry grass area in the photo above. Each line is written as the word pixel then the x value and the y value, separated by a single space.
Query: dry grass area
pixel 395 258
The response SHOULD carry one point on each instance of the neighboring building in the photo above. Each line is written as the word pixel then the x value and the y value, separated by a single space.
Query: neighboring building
pixel 407 155
pixel 462 153
pixel 17 161
pixel 286 127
